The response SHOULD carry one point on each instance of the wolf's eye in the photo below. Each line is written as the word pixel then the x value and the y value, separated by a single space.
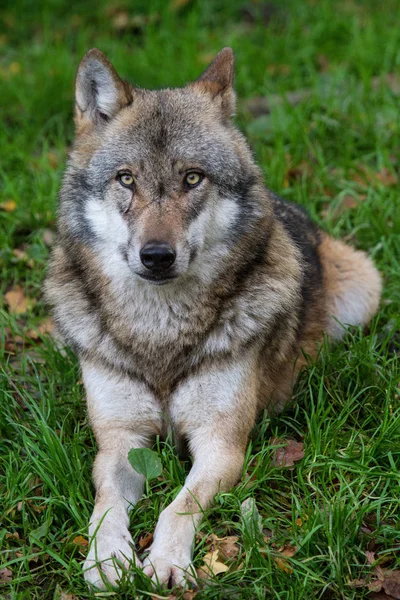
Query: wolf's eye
pixel 126 179
pixel 193 178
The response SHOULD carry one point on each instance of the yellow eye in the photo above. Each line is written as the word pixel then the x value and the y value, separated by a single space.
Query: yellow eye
pixel 193 178
pixel 126 179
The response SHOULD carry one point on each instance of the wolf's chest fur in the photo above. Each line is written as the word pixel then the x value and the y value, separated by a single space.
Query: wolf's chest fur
pixel 162 335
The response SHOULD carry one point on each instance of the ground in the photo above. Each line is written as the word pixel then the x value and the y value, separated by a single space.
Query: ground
pixel 329 523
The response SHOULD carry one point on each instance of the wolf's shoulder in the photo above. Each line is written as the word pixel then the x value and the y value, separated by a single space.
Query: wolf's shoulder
pixel 307 237
pixel 296 221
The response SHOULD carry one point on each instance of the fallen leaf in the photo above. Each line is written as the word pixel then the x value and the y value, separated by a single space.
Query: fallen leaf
pixel 145 540
pixel 365 176
pixel 189 594
pixel 260 105
pixel 45 327
pixel 323 63
pixel 286 551
pixel 390 80
pixel 211 565
pixel 283 565
pixel 347 202
pixel 121 20
pixel 386 177
pixel 178 4
pixel 14 535
pixel 273 69
pixel 391 583
pixel 65 596
pixel 302 170
pixel 79 540
pixel 53 159
pixel 226 546
pixel 14 68
pixel 251 517
pixel 17 302
pixel 6 575
pixel 288 452
pixel 22 256
pixel 8 205
pixel 48 237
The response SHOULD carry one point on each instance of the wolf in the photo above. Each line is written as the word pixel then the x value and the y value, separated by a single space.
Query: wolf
pixel 189 291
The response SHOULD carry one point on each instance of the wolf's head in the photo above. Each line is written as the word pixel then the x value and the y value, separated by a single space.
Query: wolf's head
pixel 159 181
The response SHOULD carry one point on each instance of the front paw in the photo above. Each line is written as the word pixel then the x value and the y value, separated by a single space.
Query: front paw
pixel 168 567
pixel 110 556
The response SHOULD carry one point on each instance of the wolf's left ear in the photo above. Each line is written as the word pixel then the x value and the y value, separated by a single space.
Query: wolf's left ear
pixel 99 92
pixel 217 80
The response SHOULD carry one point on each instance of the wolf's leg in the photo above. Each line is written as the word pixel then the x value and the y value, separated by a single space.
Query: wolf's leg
pixel 215 411
pixel 352 286
pixel 124 415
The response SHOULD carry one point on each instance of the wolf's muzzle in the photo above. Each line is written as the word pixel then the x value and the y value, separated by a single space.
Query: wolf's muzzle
pixel 157 256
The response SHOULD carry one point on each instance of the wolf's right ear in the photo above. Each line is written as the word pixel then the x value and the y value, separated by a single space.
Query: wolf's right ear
pixel 217 81
pixel 99 92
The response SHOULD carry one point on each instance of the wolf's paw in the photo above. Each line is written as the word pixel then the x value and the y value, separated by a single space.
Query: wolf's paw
pixel 110 556
pixel 170 569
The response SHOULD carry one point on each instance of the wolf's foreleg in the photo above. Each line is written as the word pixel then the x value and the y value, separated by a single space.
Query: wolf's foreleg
pixel 123 415
pixel 215 411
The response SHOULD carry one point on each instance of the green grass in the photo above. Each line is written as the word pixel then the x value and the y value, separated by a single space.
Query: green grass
pixel 343 498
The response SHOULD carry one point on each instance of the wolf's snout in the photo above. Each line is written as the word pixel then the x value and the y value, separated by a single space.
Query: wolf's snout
pixel 157 256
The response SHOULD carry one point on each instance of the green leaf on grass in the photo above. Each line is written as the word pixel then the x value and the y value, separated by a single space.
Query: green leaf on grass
pixel 40 531
pixel 146 462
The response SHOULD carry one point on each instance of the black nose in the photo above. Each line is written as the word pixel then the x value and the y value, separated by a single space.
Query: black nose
pixel 157 256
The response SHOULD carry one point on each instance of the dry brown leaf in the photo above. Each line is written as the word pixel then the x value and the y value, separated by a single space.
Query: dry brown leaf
pixel 53 159
pixel 302 169
pixel 121 20
pixel 145 540
pixel 347 202
pixel 273 69
pixel 391 583
pixel 178 4
pixel 259 105
pixel 370 557
pixel 226 546
pixel 211 565
pixel 189 594
pixel 286 551
pixel 48 237
pixel 283 564
pixel 17 302
pixel 365 176
pixel 45 327
pixel 323 63
pixel 8 205
pixel 23 257
pixel 390 80
pixel 80 541
pixel 6 575
pixel 386 177
pixel 65 596
pixel 14 535
pixel 288 453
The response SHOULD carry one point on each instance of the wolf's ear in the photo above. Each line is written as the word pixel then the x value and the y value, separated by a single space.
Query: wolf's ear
pixel 217 80
pixel 99 92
